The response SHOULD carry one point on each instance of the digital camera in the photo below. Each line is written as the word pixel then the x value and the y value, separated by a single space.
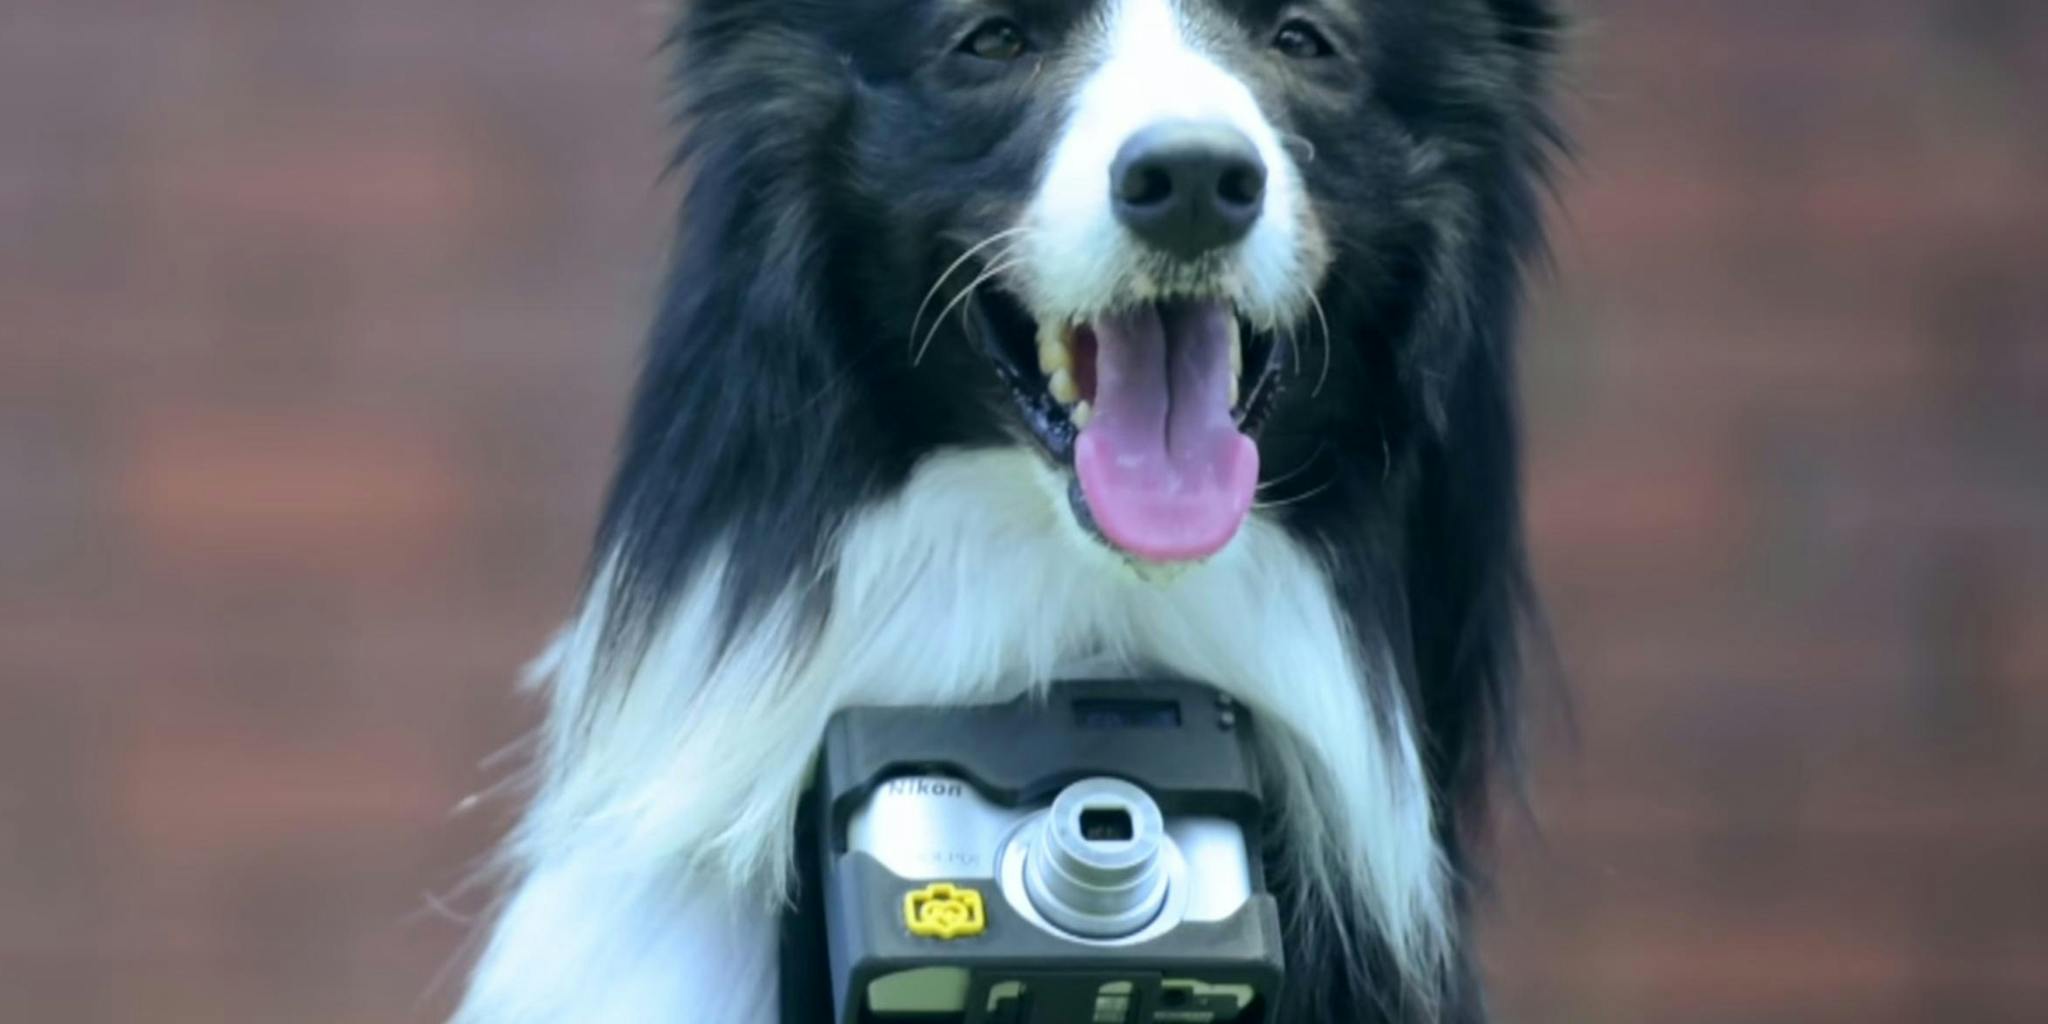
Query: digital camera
pixel 1090 856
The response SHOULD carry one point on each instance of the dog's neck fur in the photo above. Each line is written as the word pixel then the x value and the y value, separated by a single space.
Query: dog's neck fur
pixel 658 849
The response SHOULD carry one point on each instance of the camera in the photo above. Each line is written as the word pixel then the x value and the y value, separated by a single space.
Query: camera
pixel 1085 856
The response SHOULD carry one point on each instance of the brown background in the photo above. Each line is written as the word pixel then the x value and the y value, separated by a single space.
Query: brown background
pixel 315 322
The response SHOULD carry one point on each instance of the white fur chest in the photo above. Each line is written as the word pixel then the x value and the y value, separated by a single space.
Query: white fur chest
pixel 659 843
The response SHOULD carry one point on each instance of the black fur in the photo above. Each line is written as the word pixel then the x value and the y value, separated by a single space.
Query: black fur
pixel 835 166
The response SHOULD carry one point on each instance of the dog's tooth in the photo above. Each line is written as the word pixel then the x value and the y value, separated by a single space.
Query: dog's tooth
pixel 1082 414
pixel 1052 347
pixel 1061 384
pixel 1052 355
pixel 1234 388
pixel 1236 351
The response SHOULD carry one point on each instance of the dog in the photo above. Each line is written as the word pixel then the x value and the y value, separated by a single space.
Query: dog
pixel 1009 341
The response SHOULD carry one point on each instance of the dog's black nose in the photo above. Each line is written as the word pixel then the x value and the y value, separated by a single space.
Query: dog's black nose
pixel 1188 187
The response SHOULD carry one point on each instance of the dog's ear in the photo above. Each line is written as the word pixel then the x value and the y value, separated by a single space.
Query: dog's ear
pixel 732 424
pixel 1490 97
pixel 1467 586
pixel 1530 24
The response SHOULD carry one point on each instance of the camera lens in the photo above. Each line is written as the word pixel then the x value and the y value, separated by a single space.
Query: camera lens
pixel 1106 825
pixel 1094 868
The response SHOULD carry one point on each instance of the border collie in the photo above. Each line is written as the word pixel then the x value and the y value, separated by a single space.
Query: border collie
pixel 1008 340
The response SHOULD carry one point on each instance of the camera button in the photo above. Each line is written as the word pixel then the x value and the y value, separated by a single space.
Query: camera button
pixel 944 911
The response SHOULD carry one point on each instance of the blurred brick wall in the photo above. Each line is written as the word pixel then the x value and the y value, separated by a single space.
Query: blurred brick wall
pixel 1789 412
pixel 315 322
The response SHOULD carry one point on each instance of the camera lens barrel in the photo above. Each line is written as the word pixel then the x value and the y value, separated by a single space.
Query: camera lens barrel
pixel 1094 868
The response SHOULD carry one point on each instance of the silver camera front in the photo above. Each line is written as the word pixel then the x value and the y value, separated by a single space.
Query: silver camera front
pixel 1100 866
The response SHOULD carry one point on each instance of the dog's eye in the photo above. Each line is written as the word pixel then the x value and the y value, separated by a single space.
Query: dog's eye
pixel 995 39
pixel 1302 41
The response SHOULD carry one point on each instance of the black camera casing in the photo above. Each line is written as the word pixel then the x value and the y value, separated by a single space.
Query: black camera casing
pixel 1184 744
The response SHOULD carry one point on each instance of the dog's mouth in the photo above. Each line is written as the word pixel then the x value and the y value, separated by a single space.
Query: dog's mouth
pixel 1152 409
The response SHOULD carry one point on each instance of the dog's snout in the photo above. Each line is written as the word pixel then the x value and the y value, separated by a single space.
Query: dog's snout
pixel 1188 187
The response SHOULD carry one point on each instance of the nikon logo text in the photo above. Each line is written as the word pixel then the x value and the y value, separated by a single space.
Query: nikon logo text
pixel 925 787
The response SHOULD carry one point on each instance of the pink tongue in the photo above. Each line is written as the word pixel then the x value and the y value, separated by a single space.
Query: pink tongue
pixel 1167 475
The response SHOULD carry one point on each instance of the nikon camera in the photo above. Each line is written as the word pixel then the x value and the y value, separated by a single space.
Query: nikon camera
pixel 1090 856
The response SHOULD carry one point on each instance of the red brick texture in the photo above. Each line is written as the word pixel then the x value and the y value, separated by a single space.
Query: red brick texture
pixel 315 324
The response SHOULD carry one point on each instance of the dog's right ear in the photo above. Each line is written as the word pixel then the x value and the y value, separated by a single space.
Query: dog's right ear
pixel 736 420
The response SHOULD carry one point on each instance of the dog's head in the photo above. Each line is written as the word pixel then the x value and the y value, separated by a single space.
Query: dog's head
pixel 1136 217
pixel 1180 246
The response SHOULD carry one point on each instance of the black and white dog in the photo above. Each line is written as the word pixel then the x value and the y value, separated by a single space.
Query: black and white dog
pixel 1014 339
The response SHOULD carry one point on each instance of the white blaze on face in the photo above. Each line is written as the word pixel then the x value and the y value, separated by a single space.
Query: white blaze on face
pixel 1149 67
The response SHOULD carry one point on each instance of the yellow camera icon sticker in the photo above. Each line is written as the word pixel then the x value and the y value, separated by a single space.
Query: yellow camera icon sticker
pixel 943 910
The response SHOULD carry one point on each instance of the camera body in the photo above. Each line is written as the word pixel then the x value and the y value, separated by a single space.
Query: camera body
pixel 1088 856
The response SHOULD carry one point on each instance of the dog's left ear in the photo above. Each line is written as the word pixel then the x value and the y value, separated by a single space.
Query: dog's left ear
pixel 1505 138
pixel 1531 23
pixel 1468 589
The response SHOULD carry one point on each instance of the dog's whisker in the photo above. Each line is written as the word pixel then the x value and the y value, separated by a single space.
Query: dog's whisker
pixel 1003 263
pixel 1324 322
pixel 1267 506
pixel 918 320
pixel 1305 466
pixel 1265 377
